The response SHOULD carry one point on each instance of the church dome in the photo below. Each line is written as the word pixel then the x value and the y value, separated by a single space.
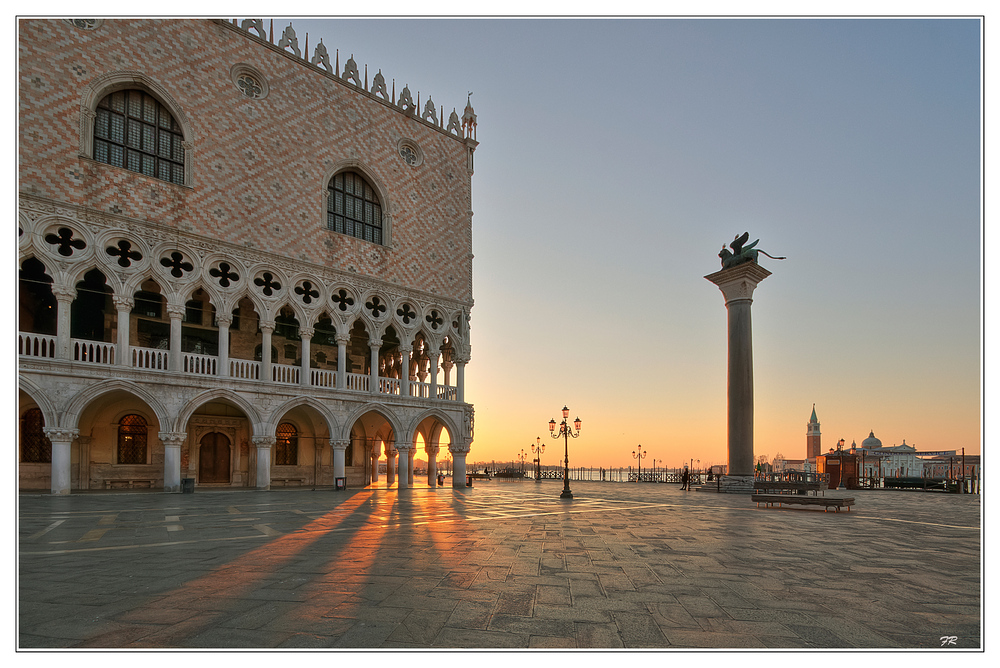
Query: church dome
pixel 871 442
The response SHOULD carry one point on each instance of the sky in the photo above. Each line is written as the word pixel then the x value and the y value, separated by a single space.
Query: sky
pixel 618 156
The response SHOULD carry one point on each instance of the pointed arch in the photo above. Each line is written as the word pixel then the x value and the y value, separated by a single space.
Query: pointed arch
pixel 260 427
pixel 92 393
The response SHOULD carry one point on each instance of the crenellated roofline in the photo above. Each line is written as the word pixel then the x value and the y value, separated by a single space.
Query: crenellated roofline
pixel 462 129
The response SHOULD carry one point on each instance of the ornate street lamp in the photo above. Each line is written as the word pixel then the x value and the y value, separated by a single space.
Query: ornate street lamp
pixel 565 431
pixel 639 455
pixel 521 457
pixel 538 448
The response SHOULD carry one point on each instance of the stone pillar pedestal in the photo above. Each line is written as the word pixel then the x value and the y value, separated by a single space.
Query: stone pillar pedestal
pixel 733 484
pixel 62 458
pixel 737 285
pixel 263 445
pixel 339 465
pixel 172 459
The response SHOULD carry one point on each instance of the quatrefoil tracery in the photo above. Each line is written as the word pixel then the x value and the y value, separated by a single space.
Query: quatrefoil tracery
pixel 266 283
pixel 407 313
pixel 65 241
pixel 376 306
pixel 223 273
pixel 307 292
pixel 434 319
pixel 178 266
pixel 124 252
pixel 343 300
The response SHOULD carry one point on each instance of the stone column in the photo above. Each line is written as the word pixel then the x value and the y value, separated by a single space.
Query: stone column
pixel 435 360
pixel 404 466
pixel 306 333
pixel 342 341
pixel 172 442
pixel 263 445
pixel 458 466
pixel 390 465
pixel 339 466
pixel 223 321
pixel 375 346
pixel 83 444
pixel 737 285
pixel 62 457
pixel 432 451
pixel 460 379
pixel 266 329
pixel 404 376
pixel 64 302
pixel 176 314
pixel 376 452
pixel 123 305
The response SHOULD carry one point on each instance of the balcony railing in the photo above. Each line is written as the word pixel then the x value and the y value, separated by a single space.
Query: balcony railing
pixel 157 359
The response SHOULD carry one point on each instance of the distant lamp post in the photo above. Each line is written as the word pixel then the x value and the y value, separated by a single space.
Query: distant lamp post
pixel 565 431
pixel 840 452
pixel 538 448
pixel 639 455
pixel 521 457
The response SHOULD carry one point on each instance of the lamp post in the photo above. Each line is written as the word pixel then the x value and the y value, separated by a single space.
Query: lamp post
pixel 538 448
pixel 521 457
pixel 639 455
pixel 840 452
pixel 565 431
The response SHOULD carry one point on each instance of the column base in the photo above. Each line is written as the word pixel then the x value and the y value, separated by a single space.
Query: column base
pixel 734 484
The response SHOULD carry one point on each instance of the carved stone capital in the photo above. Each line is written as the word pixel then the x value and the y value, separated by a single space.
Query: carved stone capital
pixel 339 445
pixel 175 311
pixel 123 303
pixel 263 442
pixel 61 434
pixel 307 332
pixel 738 283
pixel 172 439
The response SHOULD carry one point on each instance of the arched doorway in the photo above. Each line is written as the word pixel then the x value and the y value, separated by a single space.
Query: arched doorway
pixel 214 457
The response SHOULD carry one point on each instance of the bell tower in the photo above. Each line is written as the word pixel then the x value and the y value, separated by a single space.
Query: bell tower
pixel 812 436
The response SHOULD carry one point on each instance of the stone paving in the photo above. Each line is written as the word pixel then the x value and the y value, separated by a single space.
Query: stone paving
pixel 501 565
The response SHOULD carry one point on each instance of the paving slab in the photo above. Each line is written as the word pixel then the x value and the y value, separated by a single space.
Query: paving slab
pixel 504 565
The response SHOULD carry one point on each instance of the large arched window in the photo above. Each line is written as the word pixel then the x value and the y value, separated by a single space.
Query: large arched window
pixel 132 440
pixel 353 207
pixel 286 447
pixel 35 445
pixel 133 130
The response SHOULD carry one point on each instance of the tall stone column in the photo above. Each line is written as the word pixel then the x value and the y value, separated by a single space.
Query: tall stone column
pixel 123 306
pixel 223 321
pixel 176 314
pixel 460 380
pixel 375 347
pixel 339 465
pixel 266 330
pixel 404 467
pixel 458 466
pixel 342 340
pixel 172 442
pixel 263 445
pixel 404 375
pixel 390 465
pixel 432 451
pixel 64 303
pixel 737 285
pixel 62 457
pixel 306 334
pixel 435 360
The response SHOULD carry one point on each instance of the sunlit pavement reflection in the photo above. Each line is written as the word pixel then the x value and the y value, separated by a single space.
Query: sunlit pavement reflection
pixel 501 565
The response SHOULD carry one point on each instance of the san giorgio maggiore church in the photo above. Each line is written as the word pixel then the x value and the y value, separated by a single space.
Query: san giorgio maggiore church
pixel 243 262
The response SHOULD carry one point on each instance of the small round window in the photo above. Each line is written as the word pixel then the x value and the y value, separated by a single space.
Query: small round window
pixel 249 81
pixel 410 152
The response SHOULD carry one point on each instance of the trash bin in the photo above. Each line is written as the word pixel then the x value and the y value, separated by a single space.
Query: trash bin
pixel 468 480
pixel 440 480
pixel 339 484
pixel 187 485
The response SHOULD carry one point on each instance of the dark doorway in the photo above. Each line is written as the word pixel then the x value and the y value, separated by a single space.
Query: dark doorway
pixel 213 458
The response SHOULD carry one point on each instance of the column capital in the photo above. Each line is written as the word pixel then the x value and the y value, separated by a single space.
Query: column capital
pixel 263 442
pixel 172 439
pixel 307 332
pixel 62 434
pixel 223 319
pixel 739 282
pixel 343 337
pixel 175 311
pixel 123 303
pixel 337 444
pixel 63 293
pixel 266 326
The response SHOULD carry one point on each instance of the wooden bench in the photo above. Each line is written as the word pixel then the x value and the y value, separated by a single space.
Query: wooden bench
pixel 826 501
pixel 790 486
pixel 137 483
pixel 284 482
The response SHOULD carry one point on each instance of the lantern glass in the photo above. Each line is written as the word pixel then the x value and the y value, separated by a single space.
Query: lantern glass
pixel 552 424
pixel 577 424
pixel 565 413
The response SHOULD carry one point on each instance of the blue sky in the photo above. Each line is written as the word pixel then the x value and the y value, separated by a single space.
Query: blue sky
pixel 617 157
